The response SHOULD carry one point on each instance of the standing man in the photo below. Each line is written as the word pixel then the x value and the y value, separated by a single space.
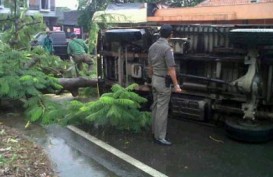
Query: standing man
pixel 162 70
pixel 48 43
pixel 79 52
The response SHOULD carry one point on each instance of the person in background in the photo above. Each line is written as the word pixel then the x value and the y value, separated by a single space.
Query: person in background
pixel 48 43
pixel 162 70
pixel 78 49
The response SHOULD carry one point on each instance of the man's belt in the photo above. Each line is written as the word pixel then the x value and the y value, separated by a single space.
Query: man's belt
pixel 159 75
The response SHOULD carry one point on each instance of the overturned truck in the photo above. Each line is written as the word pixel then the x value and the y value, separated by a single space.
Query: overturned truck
pixel 224 63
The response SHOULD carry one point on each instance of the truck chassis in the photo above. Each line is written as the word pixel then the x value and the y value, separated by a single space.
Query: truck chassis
pixel 225 71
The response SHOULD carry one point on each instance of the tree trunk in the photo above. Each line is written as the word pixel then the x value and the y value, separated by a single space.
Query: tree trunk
pixel 73 84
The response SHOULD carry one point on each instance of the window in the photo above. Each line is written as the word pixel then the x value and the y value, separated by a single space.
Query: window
pixel 45 5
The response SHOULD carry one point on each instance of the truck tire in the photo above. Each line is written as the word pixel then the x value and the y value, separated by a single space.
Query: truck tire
pixel 249 131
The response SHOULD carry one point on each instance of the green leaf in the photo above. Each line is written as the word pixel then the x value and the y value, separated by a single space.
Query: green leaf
pixel 36 114
pixel 131 87
pixel 4 87
pixel 26 78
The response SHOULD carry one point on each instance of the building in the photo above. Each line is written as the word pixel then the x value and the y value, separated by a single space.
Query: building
pixel 230 2
pixel 70 23
pixel 218 12
pixel 44 7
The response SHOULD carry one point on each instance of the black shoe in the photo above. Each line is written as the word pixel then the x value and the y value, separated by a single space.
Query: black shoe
pixel 163 142
pixel 153 137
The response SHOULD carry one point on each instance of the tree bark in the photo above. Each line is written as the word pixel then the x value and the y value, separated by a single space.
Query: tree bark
pixel 73 84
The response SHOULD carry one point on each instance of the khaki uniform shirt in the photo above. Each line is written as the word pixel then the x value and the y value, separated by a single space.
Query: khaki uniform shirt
pixel 161 57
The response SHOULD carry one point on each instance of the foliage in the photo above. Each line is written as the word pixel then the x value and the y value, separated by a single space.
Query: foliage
pixel 44 109
pixel 93 35
pixel 19 27
pixel 26 73
pixel 119 108
pixel 87 8
pixel 83 20
pixel 19 82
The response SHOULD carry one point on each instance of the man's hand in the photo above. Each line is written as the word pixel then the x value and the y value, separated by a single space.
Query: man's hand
pixel 150 71
pixel 177 89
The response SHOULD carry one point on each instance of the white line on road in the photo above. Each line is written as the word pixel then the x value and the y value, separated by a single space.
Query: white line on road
pixel 147 169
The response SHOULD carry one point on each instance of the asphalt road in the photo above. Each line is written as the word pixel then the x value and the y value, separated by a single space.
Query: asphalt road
pixel 197 151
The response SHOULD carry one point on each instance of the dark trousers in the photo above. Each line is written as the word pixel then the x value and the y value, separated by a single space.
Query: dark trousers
pixel 83 58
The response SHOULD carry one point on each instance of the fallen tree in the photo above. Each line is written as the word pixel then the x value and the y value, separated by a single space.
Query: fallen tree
pixel 73 84
pixel 27 73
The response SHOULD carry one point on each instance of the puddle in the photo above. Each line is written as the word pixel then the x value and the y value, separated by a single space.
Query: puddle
pixel 67 161
pixel 72 155
pixel 70 162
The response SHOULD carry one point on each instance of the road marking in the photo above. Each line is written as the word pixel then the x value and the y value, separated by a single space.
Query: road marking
pixel 147 169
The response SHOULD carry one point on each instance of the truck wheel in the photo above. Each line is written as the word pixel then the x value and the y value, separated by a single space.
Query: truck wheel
pixel 256 131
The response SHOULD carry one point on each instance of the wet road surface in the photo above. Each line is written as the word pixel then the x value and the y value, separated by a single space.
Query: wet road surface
pixel 72 155
pixel 198 151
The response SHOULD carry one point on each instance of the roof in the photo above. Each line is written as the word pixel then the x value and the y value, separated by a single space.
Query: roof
pixel 230 2
pixel 60 12
pixel 122 13
pixel 71 17
pixel 251 13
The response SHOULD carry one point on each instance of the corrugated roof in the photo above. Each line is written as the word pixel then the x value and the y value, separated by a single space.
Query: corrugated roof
pixel 71 17
pixel 230 2
pixel 122 13
pixel 60 12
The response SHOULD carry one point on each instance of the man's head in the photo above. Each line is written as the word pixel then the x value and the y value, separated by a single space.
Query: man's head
pixel 72 35
pixel 166 31
pixel 48 33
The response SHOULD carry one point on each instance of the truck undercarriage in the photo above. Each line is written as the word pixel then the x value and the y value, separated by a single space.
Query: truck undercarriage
pixel 225 72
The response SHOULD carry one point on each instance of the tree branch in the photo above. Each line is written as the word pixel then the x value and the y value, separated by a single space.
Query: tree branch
pixel 23 25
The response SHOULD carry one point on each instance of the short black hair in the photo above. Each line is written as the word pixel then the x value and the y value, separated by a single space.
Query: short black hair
pixel 166 30
pixel 72 35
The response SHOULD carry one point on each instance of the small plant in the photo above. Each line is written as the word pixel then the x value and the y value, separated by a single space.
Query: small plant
pixel 119 109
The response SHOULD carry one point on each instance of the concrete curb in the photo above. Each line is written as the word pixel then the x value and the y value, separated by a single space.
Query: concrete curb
pixel 145 168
